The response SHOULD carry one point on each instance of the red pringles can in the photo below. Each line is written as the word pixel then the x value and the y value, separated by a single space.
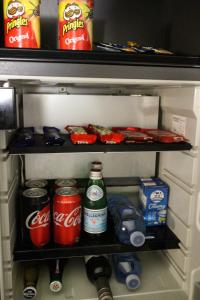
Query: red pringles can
pixel 36 217
pixel 67 216
pixel 22 23
pixel 75 24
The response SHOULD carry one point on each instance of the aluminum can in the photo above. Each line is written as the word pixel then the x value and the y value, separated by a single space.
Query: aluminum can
pixel 75 24
pixel 36 217
pixel 68 182
pixel 40 183
pixel 67 216
pixel 22 23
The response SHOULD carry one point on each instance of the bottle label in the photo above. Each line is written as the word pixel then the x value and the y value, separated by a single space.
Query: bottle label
pixel 94 193
pixel 95 221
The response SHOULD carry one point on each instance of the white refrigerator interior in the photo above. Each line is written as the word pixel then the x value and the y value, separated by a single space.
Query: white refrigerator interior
pixel 168 274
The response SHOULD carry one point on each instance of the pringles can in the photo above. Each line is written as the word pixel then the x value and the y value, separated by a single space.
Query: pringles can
pixel 22 23
pixel 75 24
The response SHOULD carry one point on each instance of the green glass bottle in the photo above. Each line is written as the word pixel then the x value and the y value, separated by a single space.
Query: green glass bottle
pixel 95 205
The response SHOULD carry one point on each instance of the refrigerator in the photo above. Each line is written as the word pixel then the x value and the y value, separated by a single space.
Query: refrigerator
pixel 48 87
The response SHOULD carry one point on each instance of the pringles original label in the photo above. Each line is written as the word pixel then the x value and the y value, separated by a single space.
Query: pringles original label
pixel 75 24
pixel 22 23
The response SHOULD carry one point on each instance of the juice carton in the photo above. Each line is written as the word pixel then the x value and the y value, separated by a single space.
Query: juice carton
pixel 154 194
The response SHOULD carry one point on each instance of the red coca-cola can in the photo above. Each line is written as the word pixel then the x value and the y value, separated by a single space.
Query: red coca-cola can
pixel 67 216
pixel 65 182
pixel 36 217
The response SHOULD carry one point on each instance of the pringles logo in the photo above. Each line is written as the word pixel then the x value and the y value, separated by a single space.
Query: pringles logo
pixel 15 11
pixel 72 13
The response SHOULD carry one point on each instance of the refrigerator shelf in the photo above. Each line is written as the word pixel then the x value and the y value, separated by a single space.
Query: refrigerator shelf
pixel 97 64
pixel 68 147
pixel 97 56
pixel 158 238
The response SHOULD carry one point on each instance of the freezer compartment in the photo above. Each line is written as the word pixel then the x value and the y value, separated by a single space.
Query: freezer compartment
pixel 157 282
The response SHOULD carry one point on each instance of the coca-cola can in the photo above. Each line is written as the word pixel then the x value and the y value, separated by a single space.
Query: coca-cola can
pixel 36 183
pixel 67 182
pixel 67 216
pixel 36 217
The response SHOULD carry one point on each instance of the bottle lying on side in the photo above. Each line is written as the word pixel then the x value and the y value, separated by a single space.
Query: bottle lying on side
pixel 99 272
pixel 128 220
pixel 56 268
pixel 127 268
pixel 31 275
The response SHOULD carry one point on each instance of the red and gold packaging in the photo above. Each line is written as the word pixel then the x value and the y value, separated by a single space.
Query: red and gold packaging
pixel 22 23
pixel 75 24
pixel 133 135
pixel 164 136
pixel 79 135
pixel 106 135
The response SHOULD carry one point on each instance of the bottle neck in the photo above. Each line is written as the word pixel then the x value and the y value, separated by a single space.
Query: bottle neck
pixel 95 175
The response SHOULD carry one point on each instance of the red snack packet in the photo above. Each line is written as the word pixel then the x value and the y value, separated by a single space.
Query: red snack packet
pixel 79 135
pixel 133 135
pixel 106 135
pixel 164 136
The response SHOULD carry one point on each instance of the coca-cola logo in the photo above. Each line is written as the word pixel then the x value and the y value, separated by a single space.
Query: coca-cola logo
pixel 67 220
pixel 38 219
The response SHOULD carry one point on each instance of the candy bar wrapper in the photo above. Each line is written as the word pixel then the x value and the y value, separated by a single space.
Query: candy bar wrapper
pixel 52 136
pixel 164 136
pixel 133 135
pixel 106 135
pixel 79 135
pixel 25 137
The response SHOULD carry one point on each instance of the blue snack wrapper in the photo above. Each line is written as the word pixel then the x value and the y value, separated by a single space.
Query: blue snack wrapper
pixel 52 136
pixel 25 137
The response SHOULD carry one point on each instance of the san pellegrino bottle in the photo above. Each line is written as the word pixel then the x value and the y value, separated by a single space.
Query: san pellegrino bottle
pixel 95 205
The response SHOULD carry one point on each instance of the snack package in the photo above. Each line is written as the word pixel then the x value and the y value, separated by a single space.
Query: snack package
pixel 164 136
pixel 79 135
pixel 25 137
pixel 133 135
pixel 106 135
pixel 52 136
pixel 115 47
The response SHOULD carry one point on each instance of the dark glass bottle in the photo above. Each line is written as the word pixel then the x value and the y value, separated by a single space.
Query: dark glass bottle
pixel 99 272
pixel 31 274
pixel 56 268
pixel 95 206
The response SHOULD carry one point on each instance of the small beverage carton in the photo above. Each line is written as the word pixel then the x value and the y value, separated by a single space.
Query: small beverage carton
pixel 154 194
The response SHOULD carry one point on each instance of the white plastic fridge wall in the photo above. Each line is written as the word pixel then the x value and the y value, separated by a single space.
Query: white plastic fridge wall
pixel 181 111
pixel 9 180
pixel 61 110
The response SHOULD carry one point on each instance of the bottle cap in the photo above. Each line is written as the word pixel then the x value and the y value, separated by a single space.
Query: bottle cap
pixel 55 286
pixel 137 238
pixel 95 174
pixel 29 292
pixel 96 165
pixel 132 281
